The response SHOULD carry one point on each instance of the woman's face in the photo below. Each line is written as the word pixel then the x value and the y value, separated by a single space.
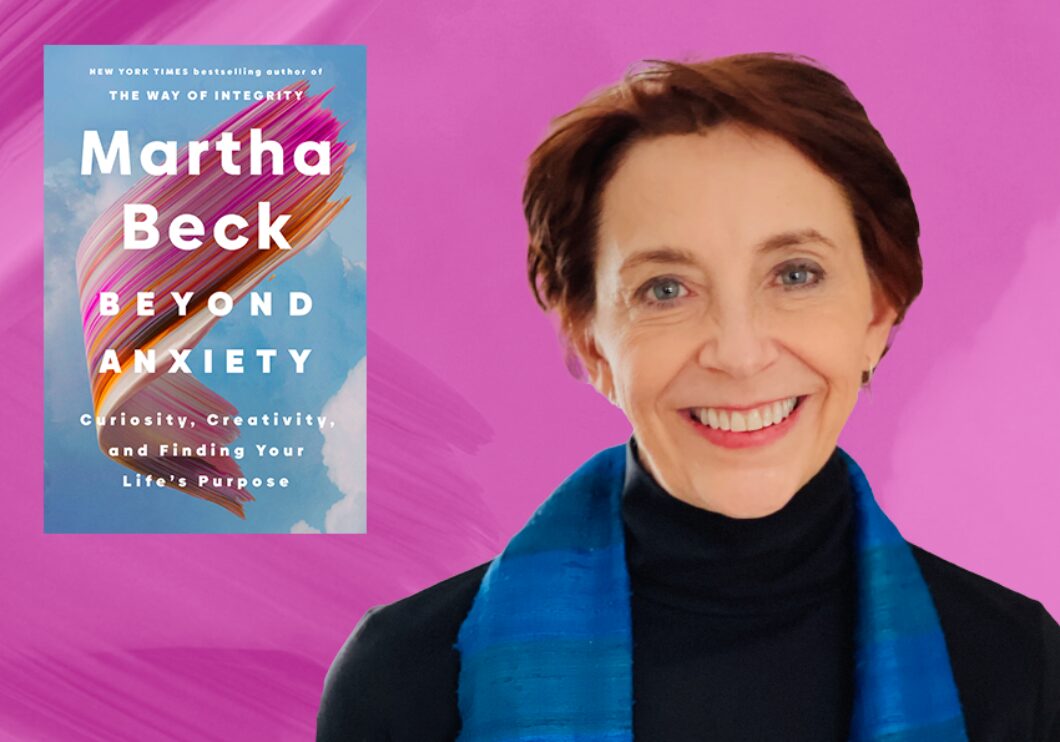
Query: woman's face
pixel 729 274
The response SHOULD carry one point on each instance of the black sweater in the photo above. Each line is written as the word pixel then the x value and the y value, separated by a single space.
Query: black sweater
pixel 742 630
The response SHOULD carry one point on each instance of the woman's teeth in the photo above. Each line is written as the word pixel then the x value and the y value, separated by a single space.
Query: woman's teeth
pixel 746 420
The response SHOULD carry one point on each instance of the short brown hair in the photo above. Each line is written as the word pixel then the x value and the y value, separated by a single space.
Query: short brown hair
pixel 788 95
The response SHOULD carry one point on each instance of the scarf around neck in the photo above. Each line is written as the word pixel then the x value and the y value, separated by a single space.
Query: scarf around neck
pixel 546 650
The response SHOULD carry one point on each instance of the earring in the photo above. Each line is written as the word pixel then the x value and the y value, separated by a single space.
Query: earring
pixel 866 376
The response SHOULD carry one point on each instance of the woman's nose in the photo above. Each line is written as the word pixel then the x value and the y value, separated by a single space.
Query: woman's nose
pixel 737 342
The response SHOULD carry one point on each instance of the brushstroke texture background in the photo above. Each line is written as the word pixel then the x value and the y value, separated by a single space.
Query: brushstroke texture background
pixel 472 418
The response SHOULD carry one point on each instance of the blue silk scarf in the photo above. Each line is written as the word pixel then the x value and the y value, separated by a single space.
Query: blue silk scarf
pixel 546 650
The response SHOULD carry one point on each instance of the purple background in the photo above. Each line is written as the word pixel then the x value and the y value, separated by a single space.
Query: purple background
pixel 472 416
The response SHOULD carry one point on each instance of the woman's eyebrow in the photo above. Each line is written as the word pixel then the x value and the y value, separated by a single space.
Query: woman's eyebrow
pixel 664 254
pixel 795 237
pixel 678 256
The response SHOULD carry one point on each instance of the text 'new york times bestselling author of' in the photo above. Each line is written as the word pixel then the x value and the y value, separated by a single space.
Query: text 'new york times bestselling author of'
pixel 728 245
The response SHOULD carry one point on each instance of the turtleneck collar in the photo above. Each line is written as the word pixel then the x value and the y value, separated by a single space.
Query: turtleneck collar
pixel 696 559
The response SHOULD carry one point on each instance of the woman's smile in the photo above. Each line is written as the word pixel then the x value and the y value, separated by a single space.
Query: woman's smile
pixel 734 428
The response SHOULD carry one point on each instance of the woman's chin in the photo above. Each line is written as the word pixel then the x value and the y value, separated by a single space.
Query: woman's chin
pixel 734 499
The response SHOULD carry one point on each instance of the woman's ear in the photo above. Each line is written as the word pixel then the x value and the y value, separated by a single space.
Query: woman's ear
pixel 582 339
pixel 880 325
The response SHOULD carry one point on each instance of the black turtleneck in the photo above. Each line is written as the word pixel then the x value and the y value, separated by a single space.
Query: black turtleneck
pixel 742 630
pixel 746 625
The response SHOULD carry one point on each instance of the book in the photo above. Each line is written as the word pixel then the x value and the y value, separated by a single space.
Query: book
pixel 205 289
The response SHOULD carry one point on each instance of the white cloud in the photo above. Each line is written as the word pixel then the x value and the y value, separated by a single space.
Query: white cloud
pixel 349 265
pixel 78 200
pixel 346 515
pixel 344 452
pixel 60 297
pixel 303 527
pixel 72 203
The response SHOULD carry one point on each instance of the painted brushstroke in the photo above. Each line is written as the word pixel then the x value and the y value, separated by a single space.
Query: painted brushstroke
pixel 104 265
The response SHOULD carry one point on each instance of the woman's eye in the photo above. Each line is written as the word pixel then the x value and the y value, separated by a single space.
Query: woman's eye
pixel 664 290
pixel 797 275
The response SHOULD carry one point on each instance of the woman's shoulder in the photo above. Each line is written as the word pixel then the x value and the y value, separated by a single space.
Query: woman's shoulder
pixel 395 676
pixel 1004 649
pixel 991 602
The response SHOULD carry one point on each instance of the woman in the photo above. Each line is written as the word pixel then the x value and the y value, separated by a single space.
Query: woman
pixel 729 246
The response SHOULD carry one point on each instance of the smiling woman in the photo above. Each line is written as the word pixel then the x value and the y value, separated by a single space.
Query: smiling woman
pixel 729 245
pixel 760 297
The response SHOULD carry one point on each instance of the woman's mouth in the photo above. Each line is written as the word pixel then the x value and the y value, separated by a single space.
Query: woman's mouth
pixel 744 428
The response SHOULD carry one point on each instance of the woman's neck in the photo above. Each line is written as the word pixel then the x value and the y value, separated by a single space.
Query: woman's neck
pixel 693 558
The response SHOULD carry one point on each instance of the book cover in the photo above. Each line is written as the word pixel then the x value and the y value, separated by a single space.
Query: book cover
pixel 205 267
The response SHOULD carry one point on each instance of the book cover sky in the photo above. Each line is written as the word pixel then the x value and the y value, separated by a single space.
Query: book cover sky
pixel 204 289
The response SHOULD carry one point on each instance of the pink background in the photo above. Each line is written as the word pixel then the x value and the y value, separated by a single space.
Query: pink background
pixel 473 418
